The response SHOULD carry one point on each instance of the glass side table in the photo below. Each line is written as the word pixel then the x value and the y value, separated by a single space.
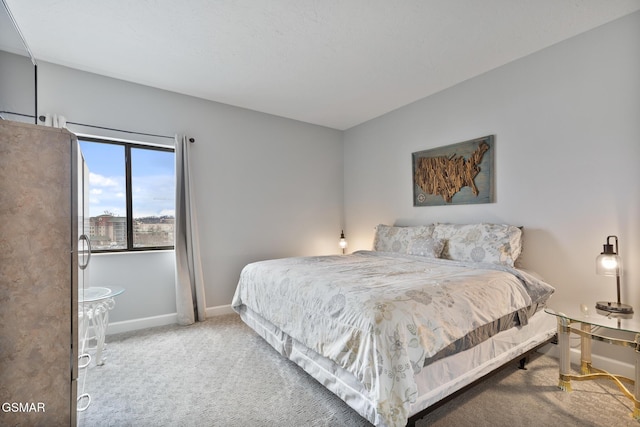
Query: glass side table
pixel 580 320
pixel 95 304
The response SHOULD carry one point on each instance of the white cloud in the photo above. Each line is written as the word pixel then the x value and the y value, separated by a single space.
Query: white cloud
pixel 101 181
pixel 153 195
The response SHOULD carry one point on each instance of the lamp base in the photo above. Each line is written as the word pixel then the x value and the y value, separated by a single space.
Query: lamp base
pixel 614 307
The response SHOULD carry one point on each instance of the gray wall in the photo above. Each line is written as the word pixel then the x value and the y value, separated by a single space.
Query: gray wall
pixel 266 186
pixel 567 126
pixel 17 86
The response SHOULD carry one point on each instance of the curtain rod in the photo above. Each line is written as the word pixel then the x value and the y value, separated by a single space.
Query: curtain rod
pixel 43 118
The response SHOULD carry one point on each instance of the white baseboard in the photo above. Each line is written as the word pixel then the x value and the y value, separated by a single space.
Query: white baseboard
pixel 219 310
pixel 610 365
pixel 162 320
pixel 143 323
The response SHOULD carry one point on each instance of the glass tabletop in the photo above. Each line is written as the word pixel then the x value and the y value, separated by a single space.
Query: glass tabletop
pixel 97 293
pixel 587 314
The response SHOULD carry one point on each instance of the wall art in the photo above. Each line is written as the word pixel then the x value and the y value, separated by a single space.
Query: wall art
pixel 455 174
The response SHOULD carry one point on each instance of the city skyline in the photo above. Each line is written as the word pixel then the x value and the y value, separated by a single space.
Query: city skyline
pixel 110 232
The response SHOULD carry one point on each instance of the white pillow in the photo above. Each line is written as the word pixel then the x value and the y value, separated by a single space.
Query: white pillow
pixel 396 239
pixel 426 247
pixel 492 243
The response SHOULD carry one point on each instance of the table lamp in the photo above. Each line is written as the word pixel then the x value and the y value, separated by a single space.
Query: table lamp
pixel 609 263
pixel 343 241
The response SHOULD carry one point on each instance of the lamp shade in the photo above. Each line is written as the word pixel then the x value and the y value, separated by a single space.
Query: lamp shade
pixel 343 241
pixel 608 265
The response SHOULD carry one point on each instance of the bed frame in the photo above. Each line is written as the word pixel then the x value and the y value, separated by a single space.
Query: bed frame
pixel 515 344
pixel 522 360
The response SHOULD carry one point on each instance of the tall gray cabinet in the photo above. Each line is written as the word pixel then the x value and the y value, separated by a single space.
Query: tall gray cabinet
pixel 41 255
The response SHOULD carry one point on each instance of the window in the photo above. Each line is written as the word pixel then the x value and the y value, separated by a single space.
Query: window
pixel 131 195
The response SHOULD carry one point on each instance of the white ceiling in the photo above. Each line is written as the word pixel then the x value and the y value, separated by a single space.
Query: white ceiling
pixel 335 63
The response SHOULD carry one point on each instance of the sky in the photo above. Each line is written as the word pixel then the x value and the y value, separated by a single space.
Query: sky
pixel 153 182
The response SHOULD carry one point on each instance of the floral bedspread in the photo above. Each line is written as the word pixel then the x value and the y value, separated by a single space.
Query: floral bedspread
pixel 380 314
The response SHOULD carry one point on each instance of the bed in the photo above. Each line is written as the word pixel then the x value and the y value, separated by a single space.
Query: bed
pixel 394 330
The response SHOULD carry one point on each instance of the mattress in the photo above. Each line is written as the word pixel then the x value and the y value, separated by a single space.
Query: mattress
pixel 369 325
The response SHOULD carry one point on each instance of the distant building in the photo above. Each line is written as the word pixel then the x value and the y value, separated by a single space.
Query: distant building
pixel 108 231
pixel 153 231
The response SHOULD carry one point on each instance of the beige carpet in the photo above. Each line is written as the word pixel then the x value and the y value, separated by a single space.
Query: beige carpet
pixel 220 373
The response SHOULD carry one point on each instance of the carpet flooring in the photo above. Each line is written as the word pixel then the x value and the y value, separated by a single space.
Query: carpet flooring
pixel 221 373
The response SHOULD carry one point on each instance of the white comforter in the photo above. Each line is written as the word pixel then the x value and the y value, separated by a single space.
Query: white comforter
pixel 379 315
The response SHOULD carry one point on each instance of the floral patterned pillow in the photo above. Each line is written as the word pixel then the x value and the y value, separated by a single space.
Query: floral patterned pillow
pixel 396 239
pixel 426 247
pixel 492 243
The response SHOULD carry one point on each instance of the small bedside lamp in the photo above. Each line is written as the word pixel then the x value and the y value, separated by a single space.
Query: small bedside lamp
pixel 343 241
pixel 609 263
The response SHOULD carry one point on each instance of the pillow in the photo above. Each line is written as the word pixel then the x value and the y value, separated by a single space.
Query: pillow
pixel 426 247
pixel 492 243
pixel 396 239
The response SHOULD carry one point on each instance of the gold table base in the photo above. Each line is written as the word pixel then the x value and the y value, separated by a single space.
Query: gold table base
pixel 589 372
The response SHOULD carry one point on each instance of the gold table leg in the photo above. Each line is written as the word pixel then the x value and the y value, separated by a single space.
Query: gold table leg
pixel 636 388
pixel 588 372
pixel 585 349
pixel 564 382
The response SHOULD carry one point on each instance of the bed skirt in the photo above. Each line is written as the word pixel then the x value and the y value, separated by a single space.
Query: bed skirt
pixel 435 381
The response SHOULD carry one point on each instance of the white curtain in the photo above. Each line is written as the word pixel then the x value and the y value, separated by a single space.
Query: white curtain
pixel 190 301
